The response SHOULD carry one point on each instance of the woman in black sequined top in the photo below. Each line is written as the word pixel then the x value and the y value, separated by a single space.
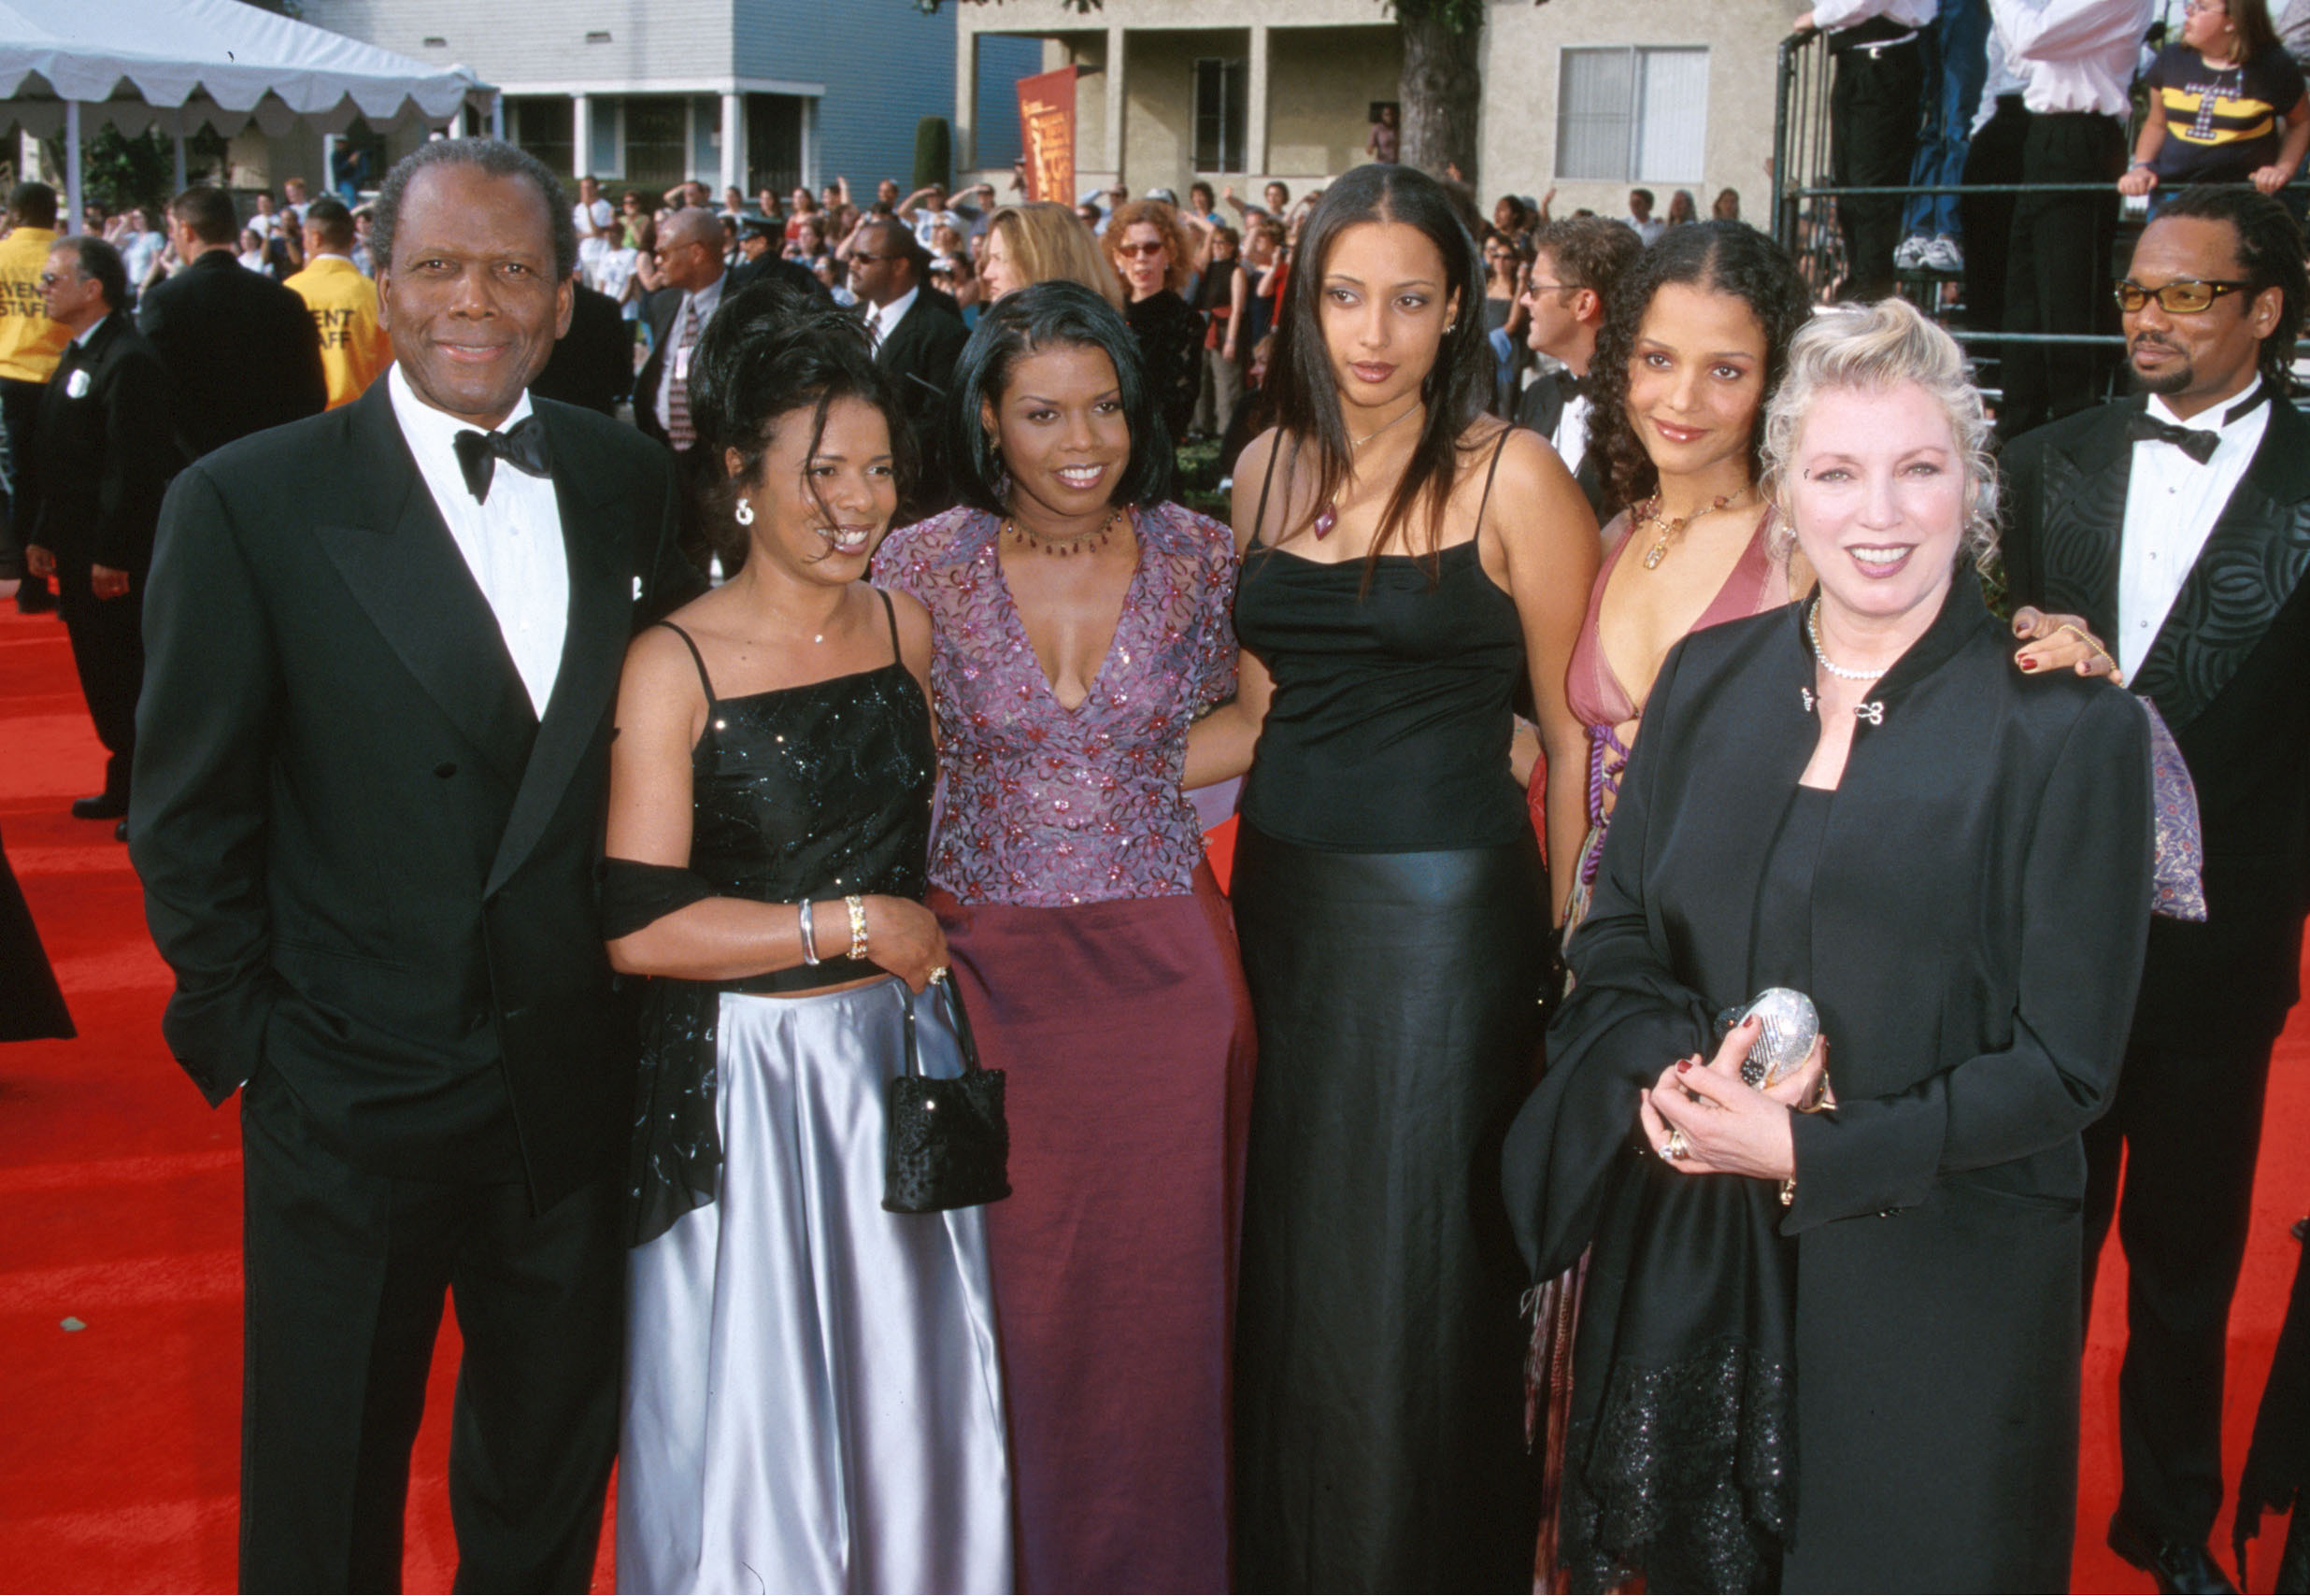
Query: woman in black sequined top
pixel 768 840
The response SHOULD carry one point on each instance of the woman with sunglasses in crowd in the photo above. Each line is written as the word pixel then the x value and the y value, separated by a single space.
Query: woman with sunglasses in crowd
pixel 1155 258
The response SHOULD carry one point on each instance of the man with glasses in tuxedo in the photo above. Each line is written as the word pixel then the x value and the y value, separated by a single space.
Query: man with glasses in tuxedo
pixel 2178 523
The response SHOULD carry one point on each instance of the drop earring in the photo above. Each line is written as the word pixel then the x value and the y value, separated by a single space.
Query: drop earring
pixel 743 513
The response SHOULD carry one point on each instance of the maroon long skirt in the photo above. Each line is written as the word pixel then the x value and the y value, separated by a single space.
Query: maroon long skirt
pixel 1126 1033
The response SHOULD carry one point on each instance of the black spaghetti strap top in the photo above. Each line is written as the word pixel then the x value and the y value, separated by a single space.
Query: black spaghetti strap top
pixel 814 791
pixel 1393 713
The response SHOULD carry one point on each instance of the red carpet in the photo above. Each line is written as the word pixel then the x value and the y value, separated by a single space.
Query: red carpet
pixel 119 1212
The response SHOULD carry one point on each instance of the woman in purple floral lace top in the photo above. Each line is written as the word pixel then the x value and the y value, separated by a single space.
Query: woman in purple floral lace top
pixel 1081 625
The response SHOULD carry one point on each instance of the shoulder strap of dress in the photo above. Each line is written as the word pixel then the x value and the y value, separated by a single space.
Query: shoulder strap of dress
pixel 697 658
pixel 889 613
pixel 1498 450
pixel 1259 517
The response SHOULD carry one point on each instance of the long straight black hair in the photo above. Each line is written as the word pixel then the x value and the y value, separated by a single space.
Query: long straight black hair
pixel 1455 389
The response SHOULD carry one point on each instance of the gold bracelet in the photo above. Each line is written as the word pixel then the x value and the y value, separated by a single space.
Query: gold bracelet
pixel 857 906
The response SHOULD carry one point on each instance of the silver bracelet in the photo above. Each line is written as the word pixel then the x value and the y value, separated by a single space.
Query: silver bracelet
pixel 809 936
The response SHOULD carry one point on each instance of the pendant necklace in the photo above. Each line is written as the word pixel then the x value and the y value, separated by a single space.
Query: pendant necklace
pixel 1648 514
pixel 1090 542
pixel 1328 516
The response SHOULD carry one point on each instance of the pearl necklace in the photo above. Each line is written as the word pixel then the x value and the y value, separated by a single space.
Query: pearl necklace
pixel 1811 632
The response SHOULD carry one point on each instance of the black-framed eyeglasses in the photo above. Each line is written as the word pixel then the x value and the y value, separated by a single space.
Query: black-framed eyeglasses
pixel 2183 296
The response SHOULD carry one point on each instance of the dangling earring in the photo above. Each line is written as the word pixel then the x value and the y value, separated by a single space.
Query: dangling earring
pixel 745 513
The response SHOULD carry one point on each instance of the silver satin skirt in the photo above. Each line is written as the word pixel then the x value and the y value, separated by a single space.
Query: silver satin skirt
pixel 813 1390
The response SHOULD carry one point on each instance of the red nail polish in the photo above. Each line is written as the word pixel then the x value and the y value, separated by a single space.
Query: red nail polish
pixel 1683 1064
pixel 2029 665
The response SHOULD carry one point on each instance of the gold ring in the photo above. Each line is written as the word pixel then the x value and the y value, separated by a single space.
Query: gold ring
pixel 1675 1146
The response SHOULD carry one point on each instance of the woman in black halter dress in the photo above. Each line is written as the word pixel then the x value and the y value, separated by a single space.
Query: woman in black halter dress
pixel 813 1397
pixel 1393 909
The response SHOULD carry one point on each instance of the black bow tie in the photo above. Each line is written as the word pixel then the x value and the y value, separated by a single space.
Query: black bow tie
pixel 521 446
pixel 1568 385
pixel 2196 442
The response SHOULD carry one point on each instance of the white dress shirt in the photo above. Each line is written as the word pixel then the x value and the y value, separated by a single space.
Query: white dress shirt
pixel 883 320
pixel 702 304
pixel 1834 16
pixel 512 544
pixel 2171 504
pixel 2072 55
pixel 1571 437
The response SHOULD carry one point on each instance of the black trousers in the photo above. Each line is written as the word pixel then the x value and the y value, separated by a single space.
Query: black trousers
pixel 20 402
pixel 346 1271
pixel 2189 1123
pixel 2057 274
pixel 1873 108
pixel 107 650
pixel 1994 156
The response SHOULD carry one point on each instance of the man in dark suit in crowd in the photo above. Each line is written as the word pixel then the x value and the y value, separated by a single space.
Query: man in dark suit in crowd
pixel 689 256
pixel 89 493
pixel 240 350
pixel 919 336
pixel 1577 264
pixel 385 645
pixel 593 363
pixel 2178 523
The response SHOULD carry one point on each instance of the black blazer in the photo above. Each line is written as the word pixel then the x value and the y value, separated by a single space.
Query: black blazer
pixel 89 487
pixel 240 350
pixel 1977 909
pixel 666 304
pixel 593 364
pixel 1539 409
pixel 369 862
pixel 920 355
pixel 2228 671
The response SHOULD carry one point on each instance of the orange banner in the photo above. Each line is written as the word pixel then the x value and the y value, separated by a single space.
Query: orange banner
pixel 1047 134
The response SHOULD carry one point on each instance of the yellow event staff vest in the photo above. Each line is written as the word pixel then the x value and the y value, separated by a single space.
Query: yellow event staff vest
pixel 353 348
pixel 29 343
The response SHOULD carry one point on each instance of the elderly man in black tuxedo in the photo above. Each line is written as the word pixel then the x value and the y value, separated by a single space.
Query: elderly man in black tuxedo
pixel 240 350
pixel 919 336
pixel 2178 523
pixel 370 797
pixel 89 493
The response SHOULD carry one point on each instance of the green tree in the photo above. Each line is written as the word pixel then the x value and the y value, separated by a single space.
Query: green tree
pixel 118 170
pixel 1443 52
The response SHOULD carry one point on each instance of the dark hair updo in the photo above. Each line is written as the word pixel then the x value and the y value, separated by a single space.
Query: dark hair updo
pixel 771 351
pixel 1055 314
pixel 1718 257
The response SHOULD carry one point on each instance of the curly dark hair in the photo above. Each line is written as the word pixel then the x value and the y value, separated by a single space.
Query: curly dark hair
pixel 771 354
pixel 2270 254
pixel 1723 257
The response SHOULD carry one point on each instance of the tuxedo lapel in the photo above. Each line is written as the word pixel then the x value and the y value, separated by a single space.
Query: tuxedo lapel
pixel 404 570
pixel 2082 518
pixel 2252 562
pixel 593 649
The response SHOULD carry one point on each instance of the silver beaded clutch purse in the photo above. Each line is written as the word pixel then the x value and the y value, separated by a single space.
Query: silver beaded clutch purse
pixel 1791 1026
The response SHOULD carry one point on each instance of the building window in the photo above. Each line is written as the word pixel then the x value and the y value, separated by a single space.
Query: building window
pixel 1222 104
pixel 657 133
pixel 1630 114
pixel 544 124
pixel 773 143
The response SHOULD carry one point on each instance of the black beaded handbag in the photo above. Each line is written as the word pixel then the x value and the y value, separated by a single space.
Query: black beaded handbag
pixel 949 1144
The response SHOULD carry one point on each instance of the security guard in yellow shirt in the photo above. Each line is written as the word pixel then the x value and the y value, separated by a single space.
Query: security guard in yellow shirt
pixel 29 343
pixel 354 349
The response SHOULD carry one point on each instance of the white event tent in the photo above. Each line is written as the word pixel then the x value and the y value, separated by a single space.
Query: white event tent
pixel 181 64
